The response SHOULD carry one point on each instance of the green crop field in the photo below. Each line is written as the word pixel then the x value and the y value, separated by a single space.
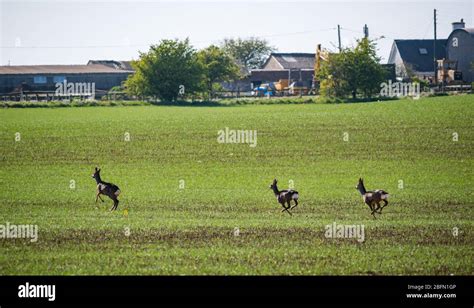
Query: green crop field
pixel 192 205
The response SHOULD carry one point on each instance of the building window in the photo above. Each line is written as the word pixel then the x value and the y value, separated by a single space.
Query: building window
pixel 39 79
pixel 423 51
pixel 59 79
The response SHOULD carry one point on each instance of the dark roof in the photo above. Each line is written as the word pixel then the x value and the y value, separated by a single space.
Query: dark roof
pixel 468 30
pixel 122 65
pixel 60 69
pixel 410 52
pixel 127 65
pixel 295 60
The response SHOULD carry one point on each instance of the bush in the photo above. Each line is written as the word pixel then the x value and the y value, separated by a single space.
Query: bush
pixel 352 71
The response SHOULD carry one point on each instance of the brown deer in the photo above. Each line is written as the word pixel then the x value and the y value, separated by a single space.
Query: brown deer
pixel 372 198
pixel 104 188
pixel 285 196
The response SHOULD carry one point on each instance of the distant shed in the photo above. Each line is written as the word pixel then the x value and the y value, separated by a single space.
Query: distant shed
pixel 45 77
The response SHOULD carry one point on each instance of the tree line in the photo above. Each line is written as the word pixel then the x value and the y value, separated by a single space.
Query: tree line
pixel 174 69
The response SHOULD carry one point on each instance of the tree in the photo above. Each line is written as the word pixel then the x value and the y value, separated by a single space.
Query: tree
pixel 332 77
pixel 217 66
pixel 369 72
pixel 135 84
pixel 353 71
pixel 167 70
pixel 249 53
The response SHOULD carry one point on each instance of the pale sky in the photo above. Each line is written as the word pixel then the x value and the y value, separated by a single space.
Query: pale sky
pixel 73 32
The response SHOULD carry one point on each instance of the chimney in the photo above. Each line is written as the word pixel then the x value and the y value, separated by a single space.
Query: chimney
pixel 458 24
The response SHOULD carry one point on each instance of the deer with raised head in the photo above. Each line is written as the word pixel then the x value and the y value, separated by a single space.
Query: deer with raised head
pixel 373 198
pixel 284 197
pixel 107 189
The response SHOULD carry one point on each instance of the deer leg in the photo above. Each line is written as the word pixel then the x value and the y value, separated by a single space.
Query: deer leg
pixel 116 202
pixel 113 206
pixel 285 208
pixel 377 208
pixel 288 208
pixel 97 196
pixel 384 205
pixel 296 204
pixel 283 205
pixel 372 208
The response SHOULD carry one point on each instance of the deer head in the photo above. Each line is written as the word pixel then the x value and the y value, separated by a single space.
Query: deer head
pixel 96 174
pixel 273 185
pixel 360 186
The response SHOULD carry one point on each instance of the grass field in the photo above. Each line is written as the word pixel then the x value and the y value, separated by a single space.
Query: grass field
pixel 161 228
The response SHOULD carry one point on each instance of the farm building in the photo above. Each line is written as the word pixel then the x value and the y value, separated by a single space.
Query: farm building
pixel 297 67
pixel 460 50
pixel 416 57
pixel 43 78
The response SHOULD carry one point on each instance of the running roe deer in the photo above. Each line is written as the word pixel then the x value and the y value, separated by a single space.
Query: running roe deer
pixel 285 196
pixel 372 198
pixel 108 189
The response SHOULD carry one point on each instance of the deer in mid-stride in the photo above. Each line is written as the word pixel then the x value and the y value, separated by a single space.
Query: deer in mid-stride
pixel 284 197
pixel 373 198
pixel 104 188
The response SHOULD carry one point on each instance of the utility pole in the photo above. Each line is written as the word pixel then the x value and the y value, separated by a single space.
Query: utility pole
pixel 435 65
pixel 366 31
pixel 339 37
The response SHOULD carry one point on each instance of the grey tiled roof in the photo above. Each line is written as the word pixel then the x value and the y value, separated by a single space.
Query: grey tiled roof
pixel 468 30
pixel 295 60
pixel 60 69
pixel 421 62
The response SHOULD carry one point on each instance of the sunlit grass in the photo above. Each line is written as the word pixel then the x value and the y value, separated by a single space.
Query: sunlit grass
pixel 405 147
